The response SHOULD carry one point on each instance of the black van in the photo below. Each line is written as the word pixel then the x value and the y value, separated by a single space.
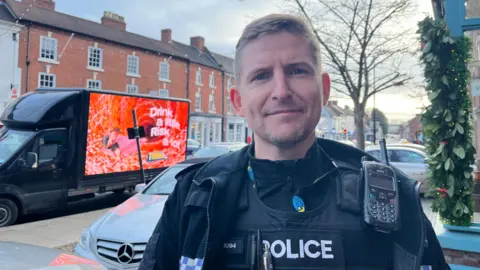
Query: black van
pixel 44 149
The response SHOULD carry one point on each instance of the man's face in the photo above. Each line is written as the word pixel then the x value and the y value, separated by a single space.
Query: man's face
pixel 279 92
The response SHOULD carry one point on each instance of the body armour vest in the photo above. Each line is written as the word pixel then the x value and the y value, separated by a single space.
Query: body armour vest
pixel 322 238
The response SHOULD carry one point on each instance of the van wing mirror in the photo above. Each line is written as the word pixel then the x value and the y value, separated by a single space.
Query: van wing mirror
pixel 32 160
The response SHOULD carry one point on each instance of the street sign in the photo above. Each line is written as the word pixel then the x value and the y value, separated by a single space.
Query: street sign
pixel 131 132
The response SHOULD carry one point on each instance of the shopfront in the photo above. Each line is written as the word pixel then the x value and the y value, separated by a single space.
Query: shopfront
pixel 205 129
pixel 235 129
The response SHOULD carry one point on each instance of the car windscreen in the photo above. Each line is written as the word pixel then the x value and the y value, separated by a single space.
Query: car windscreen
pixel 165 182
pixel 11 140
pixel 210 151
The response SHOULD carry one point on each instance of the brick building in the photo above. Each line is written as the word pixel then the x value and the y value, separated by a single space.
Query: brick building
pixel 60 50
pixel 412 129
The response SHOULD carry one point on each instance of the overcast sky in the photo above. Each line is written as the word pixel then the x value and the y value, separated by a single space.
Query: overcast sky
pixel 220 22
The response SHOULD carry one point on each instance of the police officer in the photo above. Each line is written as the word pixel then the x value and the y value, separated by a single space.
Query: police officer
pixel 280 202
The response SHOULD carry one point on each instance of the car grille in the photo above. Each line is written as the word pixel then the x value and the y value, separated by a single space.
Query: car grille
pixel 113 250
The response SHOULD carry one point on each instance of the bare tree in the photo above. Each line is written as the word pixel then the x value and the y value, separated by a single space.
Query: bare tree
pixel 360 38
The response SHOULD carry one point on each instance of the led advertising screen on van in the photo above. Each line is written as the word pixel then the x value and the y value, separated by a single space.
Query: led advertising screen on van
pixel 109 150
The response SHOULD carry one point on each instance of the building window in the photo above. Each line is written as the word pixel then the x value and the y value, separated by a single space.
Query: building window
pixel 212 80
pixel 133 63
pixel 199 77
pixel 236 132
pixel 231 133
pixel 95 56
pixel 48 48
pixel 211 103
pixel 218 132
pixel 239 133
pixel 198 101
pixel 47 80
pixel 132 89
pixel 94 84
pixel 229 106
pixel 164 71
pixel 229 84
pixel 163 93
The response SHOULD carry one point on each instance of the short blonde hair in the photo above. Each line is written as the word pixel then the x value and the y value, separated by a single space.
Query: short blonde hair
pixel 273 24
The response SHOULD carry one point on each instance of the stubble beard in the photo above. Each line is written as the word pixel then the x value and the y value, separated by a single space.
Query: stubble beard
pixel 288 142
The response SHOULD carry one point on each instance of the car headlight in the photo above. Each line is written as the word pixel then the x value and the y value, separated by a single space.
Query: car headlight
pixel 85 238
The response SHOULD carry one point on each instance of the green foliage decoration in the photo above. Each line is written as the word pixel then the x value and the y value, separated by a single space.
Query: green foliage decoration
pixel 447 122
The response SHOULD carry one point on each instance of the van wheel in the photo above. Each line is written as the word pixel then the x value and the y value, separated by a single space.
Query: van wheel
pixel 8 212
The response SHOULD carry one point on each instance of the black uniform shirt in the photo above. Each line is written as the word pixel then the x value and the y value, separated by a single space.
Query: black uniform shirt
pixel 278 181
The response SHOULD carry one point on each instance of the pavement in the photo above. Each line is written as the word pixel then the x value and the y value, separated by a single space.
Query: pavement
pixel 52 233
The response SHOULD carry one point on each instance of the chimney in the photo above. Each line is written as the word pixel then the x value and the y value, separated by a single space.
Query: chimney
pixel 113 20
pixel 167 35
pixel 46 4
pixel 198 42
pixel 333 102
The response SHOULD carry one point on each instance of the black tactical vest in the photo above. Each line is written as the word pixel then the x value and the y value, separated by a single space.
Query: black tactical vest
pixel 329 237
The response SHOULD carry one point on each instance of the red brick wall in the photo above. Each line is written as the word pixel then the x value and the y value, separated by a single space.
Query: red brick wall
pixel 72 68
pixel 205 89
pixel 415 125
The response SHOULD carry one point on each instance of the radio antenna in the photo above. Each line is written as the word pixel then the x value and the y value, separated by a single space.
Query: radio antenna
pixel 383 151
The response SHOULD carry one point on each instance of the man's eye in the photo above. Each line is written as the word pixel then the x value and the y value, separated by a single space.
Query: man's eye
pixel 298 71
pixel 261 76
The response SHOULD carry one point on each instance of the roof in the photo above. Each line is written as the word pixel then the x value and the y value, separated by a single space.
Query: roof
pixel 348 111
pixel 225 62
pixel 5 15
pixel 333 110
pixel 195 55
pixel 97 30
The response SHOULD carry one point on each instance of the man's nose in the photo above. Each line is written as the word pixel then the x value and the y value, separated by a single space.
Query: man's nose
pixel 281 87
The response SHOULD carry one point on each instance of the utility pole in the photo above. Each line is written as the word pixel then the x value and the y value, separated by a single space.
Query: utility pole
pixel 136 133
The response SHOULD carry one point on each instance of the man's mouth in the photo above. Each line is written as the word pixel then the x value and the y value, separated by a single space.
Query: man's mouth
pixel 286 111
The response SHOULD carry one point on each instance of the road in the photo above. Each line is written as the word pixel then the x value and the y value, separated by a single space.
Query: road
pixel 102 201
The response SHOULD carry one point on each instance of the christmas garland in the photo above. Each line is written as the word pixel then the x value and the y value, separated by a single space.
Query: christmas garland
pixel 447 122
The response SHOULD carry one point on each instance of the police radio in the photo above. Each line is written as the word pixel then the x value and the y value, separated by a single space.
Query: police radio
pixel 380 202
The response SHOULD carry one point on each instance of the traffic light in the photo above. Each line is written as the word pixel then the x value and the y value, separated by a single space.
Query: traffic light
pixel 344 131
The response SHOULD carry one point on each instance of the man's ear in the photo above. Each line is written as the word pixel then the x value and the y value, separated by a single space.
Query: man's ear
pixel 325 88
pixel 236 100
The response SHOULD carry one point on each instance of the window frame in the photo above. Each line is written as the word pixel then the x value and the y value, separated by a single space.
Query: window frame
pixel 54 76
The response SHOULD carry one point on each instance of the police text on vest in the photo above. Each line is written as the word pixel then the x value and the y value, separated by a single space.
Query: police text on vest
pixel 305 249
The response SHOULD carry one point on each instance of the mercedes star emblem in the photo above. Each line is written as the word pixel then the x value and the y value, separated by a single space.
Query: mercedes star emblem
pixel 125 253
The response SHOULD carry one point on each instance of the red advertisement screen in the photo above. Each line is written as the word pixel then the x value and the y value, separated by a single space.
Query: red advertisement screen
pixel 109 150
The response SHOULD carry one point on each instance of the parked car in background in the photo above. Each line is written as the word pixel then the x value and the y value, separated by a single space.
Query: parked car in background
pixel 25 256
pixel 218 149
pixel 118 239
pixel 410 145
pixel 411 161
pixel 192 146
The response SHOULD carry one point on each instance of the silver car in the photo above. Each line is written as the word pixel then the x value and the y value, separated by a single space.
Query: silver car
pixel 26 256
pixel 411 161
pixel 218 149
pixel 118 239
